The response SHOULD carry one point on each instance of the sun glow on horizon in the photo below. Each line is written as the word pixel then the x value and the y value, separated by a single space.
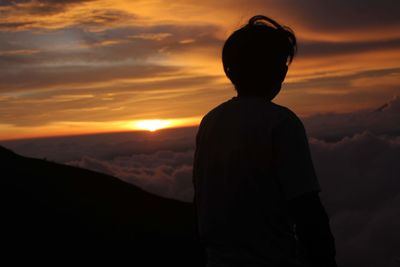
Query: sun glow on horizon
pixel 67 128
pixel 152 125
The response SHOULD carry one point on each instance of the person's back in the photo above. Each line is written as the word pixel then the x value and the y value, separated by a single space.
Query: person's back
pixel 252 161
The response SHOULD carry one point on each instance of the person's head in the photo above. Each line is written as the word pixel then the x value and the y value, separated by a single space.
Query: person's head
pixel 256 57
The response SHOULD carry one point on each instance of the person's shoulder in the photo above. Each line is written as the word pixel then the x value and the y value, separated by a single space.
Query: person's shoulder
pixel 282 111
pixel 286 116
pixel 215 111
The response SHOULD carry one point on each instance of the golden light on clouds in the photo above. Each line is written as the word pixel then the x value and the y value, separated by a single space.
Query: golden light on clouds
pixel 85 66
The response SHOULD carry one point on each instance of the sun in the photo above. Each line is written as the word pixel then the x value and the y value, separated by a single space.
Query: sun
pixel 151 125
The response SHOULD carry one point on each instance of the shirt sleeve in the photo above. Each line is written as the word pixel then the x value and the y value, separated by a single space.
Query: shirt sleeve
pixel 293 162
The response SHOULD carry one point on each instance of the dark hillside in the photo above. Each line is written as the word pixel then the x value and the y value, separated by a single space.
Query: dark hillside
pixel 58 210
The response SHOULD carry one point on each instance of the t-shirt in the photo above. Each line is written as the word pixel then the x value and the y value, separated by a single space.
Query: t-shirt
pixel 251 157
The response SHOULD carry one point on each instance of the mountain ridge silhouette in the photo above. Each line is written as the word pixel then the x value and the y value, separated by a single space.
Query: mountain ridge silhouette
pixel 73 212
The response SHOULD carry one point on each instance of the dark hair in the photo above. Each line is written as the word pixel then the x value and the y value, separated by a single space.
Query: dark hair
pixel 260 51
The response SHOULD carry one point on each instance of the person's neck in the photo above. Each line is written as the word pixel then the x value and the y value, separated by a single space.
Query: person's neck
pixel 250 96
pixel 268 93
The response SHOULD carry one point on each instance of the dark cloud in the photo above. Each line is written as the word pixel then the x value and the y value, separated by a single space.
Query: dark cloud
pixel 120 43
pixel 98 20
pixel 38 2
pixel 343 14
pixel 336 16
pixel 40 7
pixel 13 2
pixel 76 76
pixel 326 49
pixel 61 2
pixel 339 81
pixel 43 16
pixel 14 25
pixel 324 16
pixel 134 43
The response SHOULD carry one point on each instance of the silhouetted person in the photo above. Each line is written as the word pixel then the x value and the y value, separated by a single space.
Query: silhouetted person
pixel 256 192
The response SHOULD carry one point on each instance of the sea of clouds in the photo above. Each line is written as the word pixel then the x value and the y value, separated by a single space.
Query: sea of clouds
pixel 356 157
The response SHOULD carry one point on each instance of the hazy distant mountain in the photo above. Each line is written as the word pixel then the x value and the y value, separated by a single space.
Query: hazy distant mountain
pixel 51 209
pixel 382 120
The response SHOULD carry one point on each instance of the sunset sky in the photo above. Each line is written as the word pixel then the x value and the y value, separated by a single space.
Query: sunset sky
pixel 84 66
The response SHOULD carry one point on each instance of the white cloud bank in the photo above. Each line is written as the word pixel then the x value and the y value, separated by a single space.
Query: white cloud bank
pixel 360 180
pixel 165 172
